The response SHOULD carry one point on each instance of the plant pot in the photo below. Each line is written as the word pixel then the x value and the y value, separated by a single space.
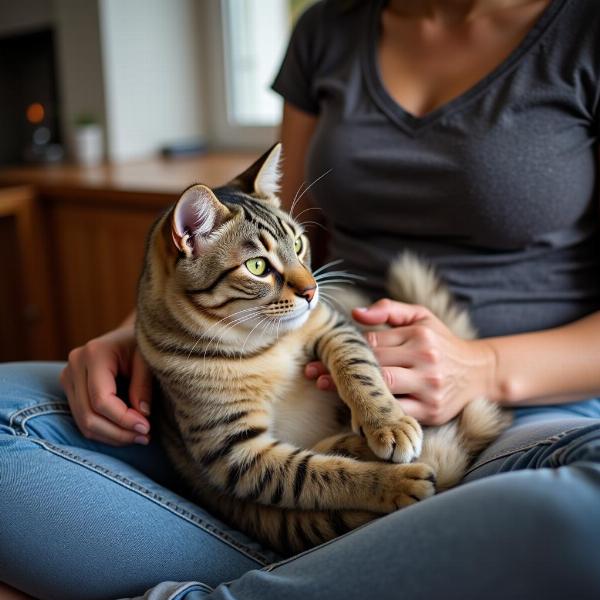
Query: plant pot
pixel 88 145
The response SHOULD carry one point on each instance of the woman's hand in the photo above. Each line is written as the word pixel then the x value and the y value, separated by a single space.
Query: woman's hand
pixel 89 381
pixel 434 372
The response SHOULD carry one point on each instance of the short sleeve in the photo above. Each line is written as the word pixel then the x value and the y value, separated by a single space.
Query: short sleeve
pixel 294 81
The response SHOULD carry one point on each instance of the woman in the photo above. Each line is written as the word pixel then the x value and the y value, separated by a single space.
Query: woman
pixel 461 130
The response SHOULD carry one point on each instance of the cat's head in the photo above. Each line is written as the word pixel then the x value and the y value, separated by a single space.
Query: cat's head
pixel 233 254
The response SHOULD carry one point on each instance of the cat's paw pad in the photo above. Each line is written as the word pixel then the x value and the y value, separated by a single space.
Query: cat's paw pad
pixel 407 484
pixel 397 440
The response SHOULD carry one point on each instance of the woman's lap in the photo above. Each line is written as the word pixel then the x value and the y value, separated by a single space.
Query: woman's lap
pixel 106 527
pixel 110 527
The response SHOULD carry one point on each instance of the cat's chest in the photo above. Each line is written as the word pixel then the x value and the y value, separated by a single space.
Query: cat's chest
pixel 300 413
pixel 306 415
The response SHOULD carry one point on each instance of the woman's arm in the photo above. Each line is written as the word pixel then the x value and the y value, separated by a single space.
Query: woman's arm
pixel 89 381
pixel 437 373
pixel 547 367
pixel 297 128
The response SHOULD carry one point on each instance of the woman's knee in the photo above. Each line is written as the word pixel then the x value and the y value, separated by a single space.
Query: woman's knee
pixel 27 386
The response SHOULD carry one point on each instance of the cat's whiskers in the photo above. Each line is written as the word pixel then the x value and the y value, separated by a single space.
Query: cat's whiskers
pixel 248 336
pixel 329 299
pixel 333 263
pixel 233 324
pixel 204 334
pixel 329 302
pixel 313 183
pixel 297 217
pixel 220 340
pixel 338 274
pixel 270 324
pixel 226 326
pixel 337 280
pixel 304 223
pixel 295 200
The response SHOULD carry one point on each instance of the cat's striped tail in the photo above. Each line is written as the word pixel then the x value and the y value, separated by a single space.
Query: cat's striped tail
pixel 451 448
pixel 413 281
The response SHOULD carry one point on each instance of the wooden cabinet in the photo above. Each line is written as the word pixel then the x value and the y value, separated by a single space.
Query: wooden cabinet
pixel 72 244
pixel 97 251
pixel 27 319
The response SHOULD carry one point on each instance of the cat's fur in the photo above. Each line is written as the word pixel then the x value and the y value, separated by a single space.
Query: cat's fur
pixel 260 445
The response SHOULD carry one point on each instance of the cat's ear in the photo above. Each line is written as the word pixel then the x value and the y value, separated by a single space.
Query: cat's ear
pixel 196 215
pixel 261 179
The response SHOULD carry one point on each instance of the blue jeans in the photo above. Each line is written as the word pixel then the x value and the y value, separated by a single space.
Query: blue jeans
pixel 79 519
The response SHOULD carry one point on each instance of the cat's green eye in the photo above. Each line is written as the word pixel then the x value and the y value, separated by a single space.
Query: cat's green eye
pixel 298 245
pixel 257 266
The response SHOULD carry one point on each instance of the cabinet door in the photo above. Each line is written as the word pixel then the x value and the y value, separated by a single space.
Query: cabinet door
pixel 27 315
pixel 99 254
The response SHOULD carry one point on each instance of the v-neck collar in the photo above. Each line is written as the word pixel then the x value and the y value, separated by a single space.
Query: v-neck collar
pixel 409 122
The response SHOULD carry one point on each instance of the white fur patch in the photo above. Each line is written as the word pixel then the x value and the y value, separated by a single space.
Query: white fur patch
pixel 306 415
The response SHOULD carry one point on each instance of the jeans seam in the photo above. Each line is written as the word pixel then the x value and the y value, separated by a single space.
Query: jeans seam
pixel 545 442
pixel 289 559
pixel 188 587
pixel 142 491
pixel 153 497
pixel 18 419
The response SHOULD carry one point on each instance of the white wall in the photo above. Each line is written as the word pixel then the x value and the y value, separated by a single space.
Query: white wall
pixel 152 74
pixel 81 81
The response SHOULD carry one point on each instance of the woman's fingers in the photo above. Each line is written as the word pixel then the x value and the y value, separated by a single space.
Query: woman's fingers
pixel 91 425
pixel 103 399
pixel 394 357
pixel 98 412
pixel 314 369
pixel 402 381
pixel 388 337
pixel 102 430
pixel 391 312
pixel 415 409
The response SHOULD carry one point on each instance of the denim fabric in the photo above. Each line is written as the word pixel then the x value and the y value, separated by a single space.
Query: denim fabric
pixel 79 519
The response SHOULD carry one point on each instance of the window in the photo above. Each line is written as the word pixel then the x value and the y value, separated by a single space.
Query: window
pixel 254 39
pixel 255 36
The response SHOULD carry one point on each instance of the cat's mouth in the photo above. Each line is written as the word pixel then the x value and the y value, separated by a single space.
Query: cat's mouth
pixel 292 321
pixel 297 317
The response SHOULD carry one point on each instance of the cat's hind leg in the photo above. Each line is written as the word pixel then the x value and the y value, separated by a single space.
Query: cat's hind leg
pixel 290 531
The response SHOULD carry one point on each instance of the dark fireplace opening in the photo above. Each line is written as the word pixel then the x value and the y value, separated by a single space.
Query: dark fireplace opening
pixel 29 108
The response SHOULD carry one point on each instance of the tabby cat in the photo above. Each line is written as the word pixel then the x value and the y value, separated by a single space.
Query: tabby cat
pixel 228 315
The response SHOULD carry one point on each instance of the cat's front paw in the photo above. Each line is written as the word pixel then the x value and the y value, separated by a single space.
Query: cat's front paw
pixel 397 438
pixel 406 484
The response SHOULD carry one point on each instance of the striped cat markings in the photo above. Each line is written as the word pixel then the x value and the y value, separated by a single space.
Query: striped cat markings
pixel 229 312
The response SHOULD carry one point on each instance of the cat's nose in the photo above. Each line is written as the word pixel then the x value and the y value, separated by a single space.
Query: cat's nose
pixel 308 293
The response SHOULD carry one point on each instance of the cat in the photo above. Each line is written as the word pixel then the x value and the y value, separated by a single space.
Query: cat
pixel 228 314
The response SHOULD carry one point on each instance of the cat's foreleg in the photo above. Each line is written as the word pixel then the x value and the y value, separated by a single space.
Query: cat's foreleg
pixel 346 444
pixel 251 465
pixel 376 415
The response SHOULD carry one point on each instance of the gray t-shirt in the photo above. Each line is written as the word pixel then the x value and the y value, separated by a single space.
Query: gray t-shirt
pixel 497 188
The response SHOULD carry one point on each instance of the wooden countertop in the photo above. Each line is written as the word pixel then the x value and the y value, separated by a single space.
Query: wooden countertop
pixel 154 176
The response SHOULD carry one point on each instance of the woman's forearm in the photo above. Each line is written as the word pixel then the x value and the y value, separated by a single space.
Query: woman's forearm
pixel 547 367
pixel 129 320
